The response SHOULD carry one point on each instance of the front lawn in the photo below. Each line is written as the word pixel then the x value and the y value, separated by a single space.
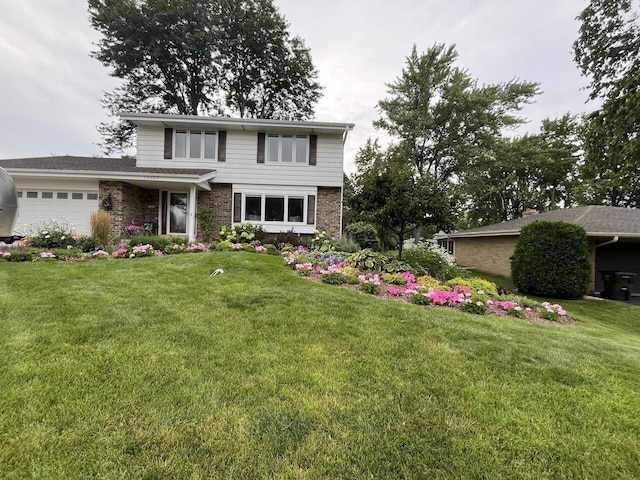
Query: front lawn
pixel 154 369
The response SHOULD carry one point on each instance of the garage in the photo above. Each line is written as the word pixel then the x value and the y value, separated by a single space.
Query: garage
pixel 73 206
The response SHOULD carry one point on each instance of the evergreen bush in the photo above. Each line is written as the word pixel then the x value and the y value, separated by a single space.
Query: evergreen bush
pixel 552 259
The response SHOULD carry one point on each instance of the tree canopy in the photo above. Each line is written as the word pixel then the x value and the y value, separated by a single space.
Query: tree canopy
pixel 608 52
pixel 222 57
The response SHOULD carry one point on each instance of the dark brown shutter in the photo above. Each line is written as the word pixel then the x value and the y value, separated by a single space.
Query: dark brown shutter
pixel 313 147
pixel 237 207
pixel 311 209
pixel 261 148
pixel 222 146
pixel 168 143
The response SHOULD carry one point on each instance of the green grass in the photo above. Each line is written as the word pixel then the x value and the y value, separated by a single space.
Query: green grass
pixel 149 368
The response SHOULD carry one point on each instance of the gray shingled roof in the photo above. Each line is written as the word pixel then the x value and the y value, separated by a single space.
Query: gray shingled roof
pixel 595 219
pixel 93 164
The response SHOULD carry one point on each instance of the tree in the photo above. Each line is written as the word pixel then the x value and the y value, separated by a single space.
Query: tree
pixel 608 52
pixel 532 171
pixel 389 194
pixel 224 57
pixel 441 118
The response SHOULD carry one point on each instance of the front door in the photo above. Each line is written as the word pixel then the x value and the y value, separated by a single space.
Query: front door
pixel 177 213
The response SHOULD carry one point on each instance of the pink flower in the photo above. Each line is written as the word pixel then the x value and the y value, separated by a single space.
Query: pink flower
pixel 394 291
pixel 69 247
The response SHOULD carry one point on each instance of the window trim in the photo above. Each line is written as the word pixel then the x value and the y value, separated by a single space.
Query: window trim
pixel 203 135
pixel 294 146
pixel 263 201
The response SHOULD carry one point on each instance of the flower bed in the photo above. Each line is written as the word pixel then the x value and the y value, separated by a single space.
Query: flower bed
pixel 405 287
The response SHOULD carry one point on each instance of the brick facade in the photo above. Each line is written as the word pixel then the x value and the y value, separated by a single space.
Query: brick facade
pixel 219 200
pixel 488 254
pixel 130 204
pixel 329 210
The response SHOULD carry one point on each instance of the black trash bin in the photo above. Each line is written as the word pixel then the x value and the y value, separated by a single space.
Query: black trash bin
pixel 618 285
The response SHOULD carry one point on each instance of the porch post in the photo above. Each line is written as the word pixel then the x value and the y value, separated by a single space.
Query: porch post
pixel 191 214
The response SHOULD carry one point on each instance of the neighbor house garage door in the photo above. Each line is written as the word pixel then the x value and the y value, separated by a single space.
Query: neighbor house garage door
pixel 72 206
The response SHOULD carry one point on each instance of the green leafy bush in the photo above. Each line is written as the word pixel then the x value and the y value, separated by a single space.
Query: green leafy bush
pixel 51 234
pixel 324 242
pixel 367 259
pixel 552 259
pixel 371 288
pixel 426 262
pixel 351 280
pixel 475 284
pixel 22 255
pixel 394 265
pixel 271 248
pixel 333 278
pixel 156 241
pixel 346 244
pixel 243 232
pixel 428 281
pixel 205 224
pixel 289 238
pixel 477 307
pixel 364 234
pixel 394 278
pixel 89 244
pixel 420 299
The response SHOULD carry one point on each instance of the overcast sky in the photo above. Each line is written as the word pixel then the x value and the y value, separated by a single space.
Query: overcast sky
pixel 50 88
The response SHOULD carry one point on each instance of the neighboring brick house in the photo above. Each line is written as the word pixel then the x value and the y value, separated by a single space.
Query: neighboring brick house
pixel 613 234
pixel 281 175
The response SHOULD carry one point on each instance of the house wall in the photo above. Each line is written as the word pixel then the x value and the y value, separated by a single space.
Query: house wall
pixel 329 210
pixel 241 165
pixel 219 201
pixel 488 254
pixel 131 204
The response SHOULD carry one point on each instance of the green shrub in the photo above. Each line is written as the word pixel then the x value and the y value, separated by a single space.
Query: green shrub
pixel 547 315
pixel 475 284
pixel 89 244
pixel 332 278
pixel 364 234
pixel 428 281
pixel 371 288
pixel 426 262
pixel 512 312
pixel 324 242
pixel 346 244
pixel 552 259
pixel 223 245
pixel 51 234
pixel 271 248
pixel 351 279
pixel 420 299
pixel 205 225
pixel 367 259
pixel 22 255
pixel 475 307
pixel 156 241
pixel 243 232
pixel 393 265
pixel 289 238
pixel 394 278
pixel 100 222
pixel 248 248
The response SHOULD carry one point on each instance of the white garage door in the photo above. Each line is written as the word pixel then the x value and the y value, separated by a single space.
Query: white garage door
pixel 71 206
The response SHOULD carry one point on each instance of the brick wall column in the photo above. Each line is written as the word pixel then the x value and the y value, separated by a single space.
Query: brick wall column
pixel 329 210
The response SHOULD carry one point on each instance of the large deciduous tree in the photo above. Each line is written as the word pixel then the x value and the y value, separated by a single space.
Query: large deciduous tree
pixel 441 118
pixel 608 52
pixel 223 57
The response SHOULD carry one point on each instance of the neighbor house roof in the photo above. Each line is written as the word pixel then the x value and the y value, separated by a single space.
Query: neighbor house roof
pixel 597 220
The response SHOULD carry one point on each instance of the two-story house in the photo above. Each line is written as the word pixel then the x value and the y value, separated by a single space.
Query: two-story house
pixel 281 175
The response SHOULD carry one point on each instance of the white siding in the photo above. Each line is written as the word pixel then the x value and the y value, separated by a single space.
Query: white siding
pixel 241 165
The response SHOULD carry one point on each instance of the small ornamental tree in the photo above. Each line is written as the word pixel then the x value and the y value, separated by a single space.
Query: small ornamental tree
pixel 552 259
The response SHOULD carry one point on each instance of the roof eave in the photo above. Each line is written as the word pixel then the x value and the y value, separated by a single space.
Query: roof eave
pixel 112 175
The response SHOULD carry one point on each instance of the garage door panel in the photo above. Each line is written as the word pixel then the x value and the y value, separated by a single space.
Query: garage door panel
pixel 56 205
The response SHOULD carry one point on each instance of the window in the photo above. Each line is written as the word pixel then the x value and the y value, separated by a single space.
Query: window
pixel 32 194
pixel 19 193
pixel 295 210
pixel 77 196
pixel 274 209
pixel 287 148
pixel 47 194
pixel 62 195
pixel 92 196
pixel 447 244
pixel 253 208
pixel 195 144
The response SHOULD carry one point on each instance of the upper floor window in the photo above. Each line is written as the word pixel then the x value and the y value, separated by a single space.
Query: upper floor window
pixel 195 144
pixel 287 148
